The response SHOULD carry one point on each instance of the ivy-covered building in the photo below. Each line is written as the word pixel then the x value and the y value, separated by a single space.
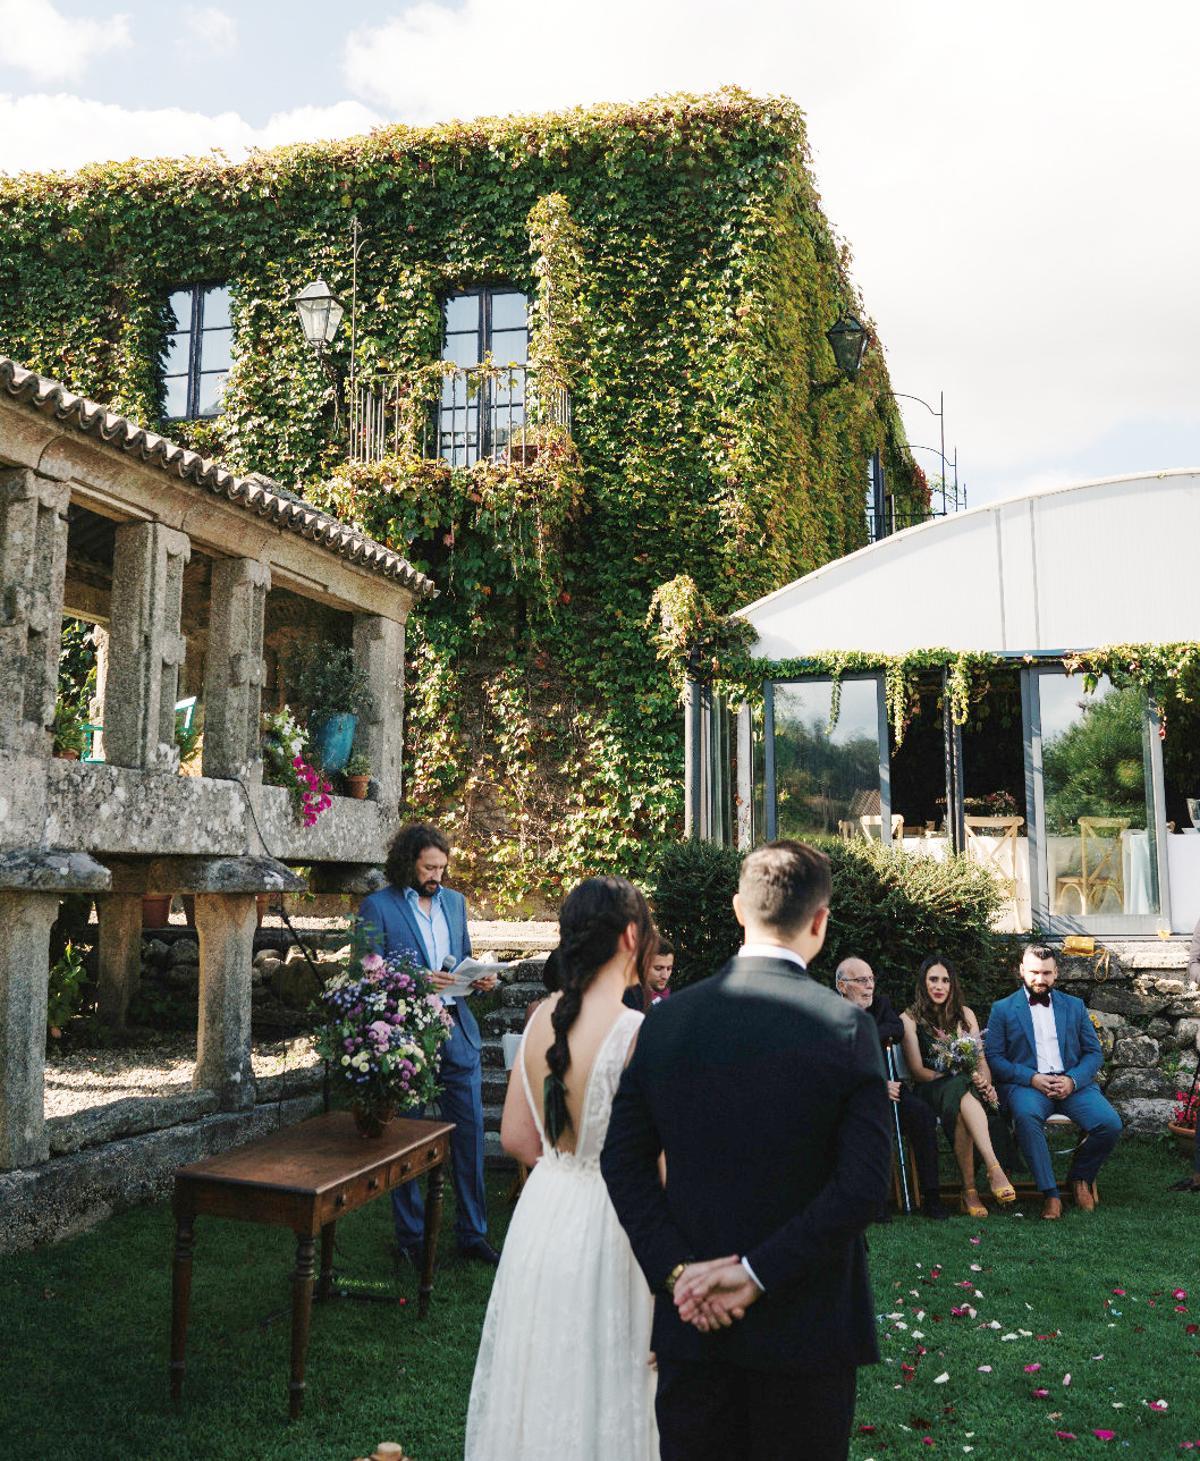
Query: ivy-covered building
pixel 582 354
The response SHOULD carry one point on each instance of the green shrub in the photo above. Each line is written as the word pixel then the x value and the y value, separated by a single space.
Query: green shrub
pixel 67 978
pixel 691 891
pixel 889 907
pixel 325 680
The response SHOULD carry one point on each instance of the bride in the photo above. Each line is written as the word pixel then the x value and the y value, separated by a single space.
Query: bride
pixel 564 1365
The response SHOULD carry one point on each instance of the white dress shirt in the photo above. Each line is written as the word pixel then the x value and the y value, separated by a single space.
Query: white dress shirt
pixel 1045 1035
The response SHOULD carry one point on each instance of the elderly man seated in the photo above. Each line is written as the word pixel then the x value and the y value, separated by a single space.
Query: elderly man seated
pixel 855 980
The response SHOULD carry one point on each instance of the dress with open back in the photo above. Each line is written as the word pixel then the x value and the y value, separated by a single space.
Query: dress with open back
pixel 563 1365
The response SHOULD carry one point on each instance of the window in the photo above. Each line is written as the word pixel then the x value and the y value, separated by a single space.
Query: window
pixel 199 352
pixel 477 416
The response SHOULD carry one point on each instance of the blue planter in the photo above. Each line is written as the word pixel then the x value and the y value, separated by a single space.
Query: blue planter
pixel 332 737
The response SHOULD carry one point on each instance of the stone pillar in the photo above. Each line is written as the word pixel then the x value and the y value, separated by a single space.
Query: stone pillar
pixel 234 669
pixel 120 954
pixel 379 649
pixel 32 882
pixel 33 560
pixel 146 648
pixel 226 924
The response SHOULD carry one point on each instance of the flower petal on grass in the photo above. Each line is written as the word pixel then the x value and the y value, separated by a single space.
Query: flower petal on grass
pixel 1159 1405
pixel 1040 1393
pixel 1033 1368
pixel 1105 1435
pixel 1066 1435
pixel 945 1375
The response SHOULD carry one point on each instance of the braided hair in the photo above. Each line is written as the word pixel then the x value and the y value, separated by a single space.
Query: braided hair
pixel 591 922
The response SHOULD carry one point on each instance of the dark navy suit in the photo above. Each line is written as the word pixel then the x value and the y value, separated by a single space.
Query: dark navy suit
pixel 1011 1049
pixel 389 926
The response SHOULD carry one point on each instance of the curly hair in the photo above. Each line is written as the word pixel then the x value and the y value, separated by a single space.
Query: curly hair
pixel 407 845
pixel 949 1016
pixel 592 919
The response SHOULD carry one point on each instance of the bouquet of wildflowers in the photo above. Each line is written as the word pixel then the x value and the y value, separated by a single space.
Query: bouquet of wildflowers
pixel 384 1028
pixel 956 1054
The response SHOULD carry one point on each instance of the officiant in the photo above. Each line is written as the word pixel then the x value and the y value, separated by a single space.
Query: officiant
pixel 417 913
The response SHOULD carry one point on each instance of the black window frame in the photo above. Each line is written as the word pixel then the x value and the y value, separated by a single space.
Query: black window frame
pixel 483 406
pixel 195 330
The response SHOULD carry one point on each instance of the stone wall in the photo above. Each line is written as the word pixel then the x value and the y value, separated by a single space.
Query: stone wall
pixel 1147 1015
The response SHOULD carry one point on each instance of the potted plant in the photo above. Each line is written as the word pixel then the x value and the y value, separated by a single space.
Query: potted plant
pixel 286 763
pixel 384 1026
pixel 70 732
pixel 331 687
pixel 357 776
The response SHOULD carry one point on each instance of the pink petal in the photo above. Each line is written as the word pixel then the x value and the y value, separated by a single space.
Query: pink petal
pixel 1119 1291
pixel 1179 1293
pixel 1104 1435
pixel 1039 1394
pixel 1066 1435
pixel 1032 1369
pixel 1158 1405
pixel 1066 1379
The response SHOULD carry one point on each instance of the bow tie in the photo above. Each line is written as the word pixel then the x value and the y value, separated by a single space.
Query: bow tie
pixel 1043 998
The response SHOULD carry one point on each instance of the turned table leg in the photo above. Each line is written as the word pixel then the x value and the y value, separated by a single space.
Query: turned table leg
pixel 181 1293
pixel 302 1290
pixel 325 1281
pixel 433 1223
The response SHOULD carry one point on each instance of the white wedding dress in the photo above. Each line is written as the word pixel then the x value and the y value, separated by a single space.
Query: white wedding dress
pixel 562 1372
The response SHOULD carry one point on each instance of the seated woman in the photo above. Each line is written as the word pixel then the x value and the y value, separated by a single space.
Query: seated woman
pixel 965 1104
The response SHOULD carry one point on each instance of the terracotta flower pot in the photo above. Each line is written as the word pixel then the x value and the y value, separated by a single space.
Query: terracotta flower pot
pixel 1185 1138
pixel 156 910
pixel 66 755
pixel 356 787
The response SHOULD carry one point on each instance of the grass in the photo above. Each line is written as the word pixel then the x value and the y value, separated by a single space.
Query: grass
pixel 84 1329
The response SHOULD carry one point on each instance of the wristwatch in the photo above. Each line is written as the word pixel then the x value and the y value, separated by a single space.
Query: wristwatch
pixel 673 1277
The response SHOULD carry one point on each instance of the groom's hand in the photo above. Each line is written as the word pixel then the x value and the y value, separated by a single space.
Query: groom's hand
pixel 712 1295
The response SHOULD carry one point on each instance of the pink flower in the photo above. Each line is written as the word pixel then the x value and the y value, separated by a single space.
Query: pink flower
pixel 1179 1294
pixel 1158 1405
pixel 1104 1435
pixel 1039 1394
pixel 372 963
pixel 1033 1368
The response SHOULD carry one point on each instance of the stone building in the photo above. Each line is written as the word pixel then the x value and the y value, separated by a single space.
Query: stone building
pixel 186 568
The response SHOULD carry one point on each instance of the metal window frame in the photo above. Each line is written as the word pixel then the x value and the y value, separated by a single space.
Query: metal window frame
pixel 483 405
pixel 770 805
pixel 196 348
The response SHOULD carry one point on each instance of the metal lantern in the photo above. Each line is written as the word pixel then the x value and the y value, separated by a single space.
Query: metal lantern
pixel 848 341
pixel 320 314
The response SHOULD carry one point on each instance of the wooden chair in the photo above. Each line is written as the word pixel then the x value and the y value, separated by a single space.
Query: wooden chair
pixel 1001 859
pixel 1100 870
pixel 872 827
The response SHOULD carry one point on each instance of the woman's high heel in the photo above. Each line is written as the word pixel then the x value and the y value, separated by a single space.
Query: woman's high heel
pixel 971 1204
pixel 1005 1192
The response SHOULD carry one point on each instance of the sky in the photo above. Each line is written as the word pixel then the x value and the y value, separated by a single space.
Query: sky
pixel 1017 182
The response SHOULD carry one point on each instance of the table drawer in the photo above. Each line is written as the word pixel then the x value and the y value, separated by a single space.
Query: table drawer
pixel 360 1190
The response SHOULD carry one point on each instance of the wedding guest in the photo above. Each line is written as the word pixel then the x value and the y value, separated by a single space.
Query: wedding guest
pixel 959 1091
pixel 662 966
pixel 765 1092
pixel 1046 1055
pixel 855 981
pixel 415 912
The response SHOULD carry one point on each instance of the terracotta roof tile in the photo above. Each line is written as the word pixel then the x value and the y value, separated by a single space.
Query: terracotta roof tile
pixel 255 492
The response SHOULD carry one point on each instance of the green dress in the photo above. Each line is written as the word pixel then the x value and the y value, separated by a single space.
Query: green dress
pixel 945 1095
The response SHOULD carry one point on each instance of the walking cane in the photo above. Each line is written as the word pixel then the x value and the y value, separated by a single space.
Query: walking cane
pixel 901 1161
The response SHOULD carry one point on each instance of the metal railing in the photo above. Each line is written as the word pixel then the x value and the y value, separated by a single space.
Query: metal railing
pixel 459 414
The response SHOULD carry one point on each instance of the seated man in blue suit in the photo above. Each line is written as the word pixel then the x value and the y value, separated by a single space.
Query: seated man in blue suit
pixel 415 912
pixel 1044 1056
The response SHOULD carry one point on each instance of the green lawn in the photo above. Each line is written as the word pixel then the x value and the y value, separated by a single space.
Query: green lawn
pixel 84 1326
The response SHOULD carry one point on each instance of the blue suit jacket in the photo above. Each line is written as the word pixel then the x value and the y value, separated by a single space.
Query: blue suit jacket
pixel 388 926
pixel 1012 1050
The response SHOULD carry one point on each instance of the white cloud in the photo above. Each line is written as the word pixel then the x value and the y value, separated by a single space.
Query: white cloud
pixel 1014 180
pixel 212 29
pixel 44 133
pixel 51 47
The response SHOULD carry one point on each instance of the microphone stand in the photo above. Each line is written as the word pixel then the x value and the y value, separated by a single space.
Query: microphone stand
pixel 901 1157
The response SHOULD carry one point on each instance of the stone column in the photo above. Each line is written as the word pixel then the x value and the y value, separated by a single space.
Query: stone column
pixel 379 649
pixel 32 882
pixel 120 954
pixel 234 669
pixel 33 560
pixel 146 648
pixel 226 924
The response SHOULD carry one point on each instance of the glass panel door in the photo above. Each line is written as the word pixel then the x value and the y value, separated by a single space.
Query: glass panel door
pixel 1099 805
pixel 825 781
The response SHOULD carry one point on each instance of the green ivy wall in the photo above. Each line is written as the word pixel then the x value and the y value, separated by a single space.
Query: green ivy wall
pixel 542 730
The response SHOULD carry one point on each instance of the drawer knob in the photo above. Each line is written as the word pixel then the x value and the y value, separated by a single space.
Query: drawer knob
pixel 372 1183
pixel 340 1200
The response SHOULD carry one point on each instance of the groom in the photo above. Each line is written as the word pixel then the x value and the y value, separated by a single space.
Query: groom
pixel 766 1093
pixel 417 914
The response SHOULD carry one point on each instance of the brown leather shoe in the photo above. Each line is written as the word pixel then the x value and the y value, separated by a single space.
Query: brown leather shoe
pixel 1052 1209
pixel 1082 1193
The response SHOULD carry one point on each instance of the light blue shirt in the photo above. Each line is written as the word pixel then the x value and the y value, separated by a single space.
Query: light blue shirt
pixel 435 931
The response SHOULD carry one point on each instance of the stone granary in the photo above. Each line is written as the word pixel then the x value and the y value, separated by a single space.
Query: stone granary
pixel 191 573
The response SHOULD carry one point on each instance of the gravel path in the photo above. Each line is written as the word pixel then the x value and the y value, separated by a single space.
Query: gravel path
pixel 158 1065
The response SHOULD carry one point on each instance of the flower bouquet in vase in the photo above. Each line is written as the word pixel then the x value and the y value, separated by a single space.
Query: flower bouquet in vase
pixel 384 1026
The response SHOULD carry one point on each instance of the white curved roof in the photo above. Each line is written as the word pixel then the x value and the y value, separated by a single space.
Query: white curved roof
pixel 1113 561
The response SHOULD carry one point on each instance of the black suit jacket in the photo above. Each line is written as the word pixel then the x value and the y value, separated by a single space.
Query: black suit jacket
pixel 887 1021
pixel 766 1092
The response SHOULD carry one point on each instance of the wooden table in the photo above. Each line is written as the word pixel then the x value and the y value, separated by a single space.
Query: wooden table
pixel 304 1178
